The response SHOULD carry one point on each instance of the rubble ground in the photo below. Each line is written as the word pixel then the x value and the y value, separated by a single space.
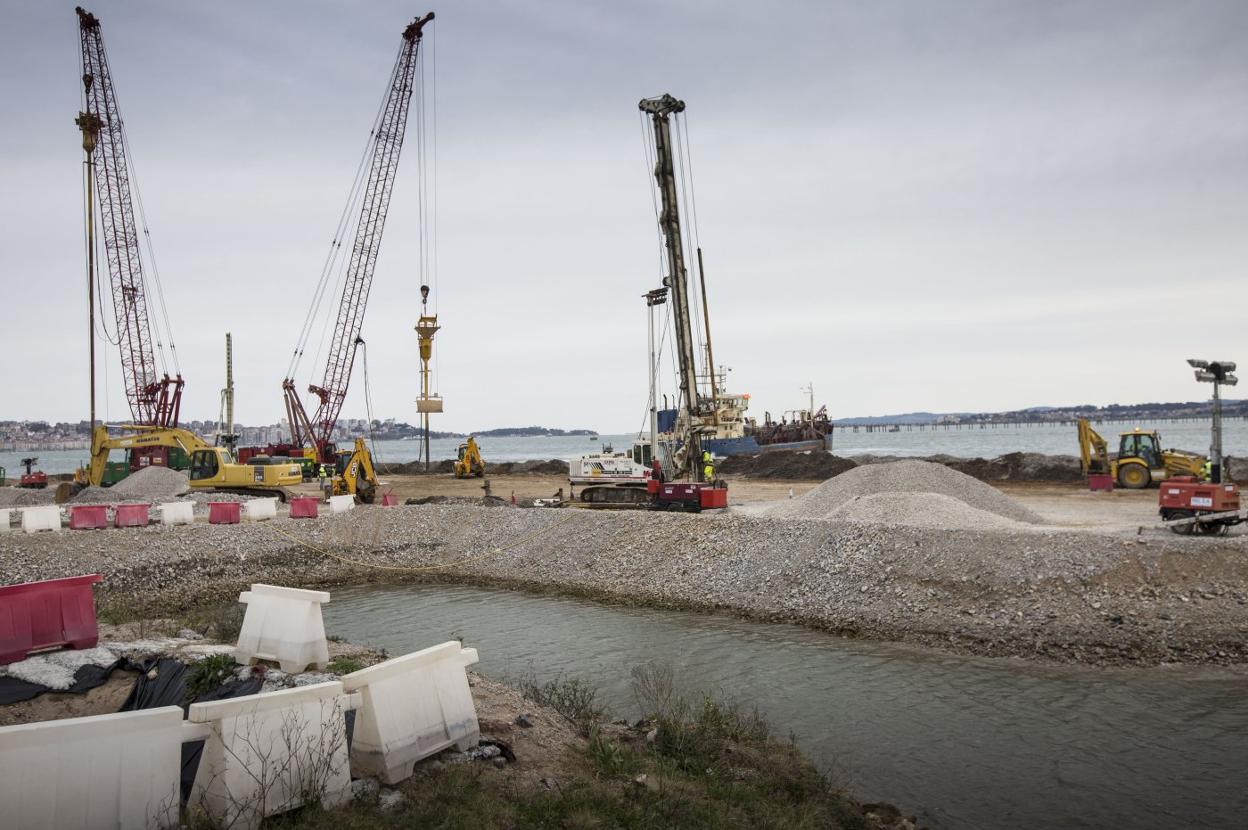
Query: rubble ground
pixel 1055 590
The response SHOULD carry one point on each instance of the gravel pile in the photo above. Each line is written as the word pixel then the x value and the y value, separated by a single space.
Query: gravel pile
pixel 786 464
pixel 21 497
pixel 152 485
pixel 906 476
pixel 934 510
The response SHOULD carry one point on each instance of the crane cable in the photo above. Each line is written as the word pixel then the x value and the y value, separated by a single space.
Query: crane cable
pixel 426 568
pixel 335 245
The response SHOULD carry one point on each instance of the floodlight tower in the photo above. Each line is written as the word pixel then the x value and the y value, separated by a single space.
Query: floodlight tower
pixel 1219 373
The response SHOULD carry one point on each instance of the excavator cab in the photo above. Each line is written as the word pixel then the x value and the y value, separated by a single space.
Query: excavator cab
pixel 204 465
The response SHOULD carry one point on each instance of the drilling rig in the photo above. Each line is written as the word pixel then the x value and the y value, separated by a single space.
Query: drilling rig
pixel 354 472
pixel 153 438
pixel 154 397
pixel 698 414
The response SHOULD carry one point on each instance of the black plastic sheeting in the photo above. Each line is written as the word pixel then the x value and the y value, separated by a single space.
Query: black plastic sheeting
pixel 14 690
pixel 163 683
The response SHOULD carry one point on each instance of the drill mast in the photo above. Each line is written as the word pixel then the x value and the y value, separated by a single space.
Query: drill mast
pixel 660 111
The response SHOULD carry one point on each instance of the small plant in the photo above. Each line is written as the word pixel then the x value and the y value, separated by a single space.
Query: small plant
pixel 208 674
pixel 345 665
pixel 608 758
pixel 218 622
pixel 571 697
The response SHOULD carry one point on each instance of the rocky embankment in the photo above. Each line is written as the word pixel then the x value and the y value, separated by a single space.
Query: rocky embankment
pixel 1003 587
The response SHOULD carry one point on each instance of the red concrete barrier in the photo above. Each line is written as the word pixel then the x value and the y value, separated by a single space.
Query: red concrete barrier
pixel 1099 481
pixel 88 516
pixel 389 500
pixel 39 615
pixel 224 512
pixel 131 515
pixel 303 507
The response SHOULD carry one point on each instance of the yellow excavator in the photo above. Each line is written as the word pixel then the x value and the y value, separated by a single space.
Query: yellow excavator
pixel 1140 461
pixel 211 468
pixel 468 460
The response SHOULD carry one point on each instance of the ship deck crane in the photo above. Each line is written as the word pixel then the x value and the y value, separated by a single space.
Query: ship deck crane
pixel 354 472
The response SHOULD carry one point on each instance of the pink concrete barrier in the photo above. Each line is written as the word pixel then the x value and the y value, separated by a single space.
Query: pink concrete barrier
pixel 54 612
pixel 88 516
pixel 131 515
pixel 303 507
pixel 224 512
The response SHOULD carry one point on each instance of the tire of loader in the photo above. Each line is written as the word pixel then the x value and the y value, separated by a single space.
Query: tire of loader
pixel 1134 476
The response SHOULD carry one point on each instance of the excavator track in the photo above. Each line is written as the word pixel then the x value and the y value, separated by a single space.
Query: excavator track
pixel 608 497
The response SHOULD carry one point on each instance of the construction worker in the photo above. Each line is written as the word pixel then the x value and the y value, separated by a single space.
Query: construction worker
pixel 1206 471
pixel 708 466
pixel 323 474
pixel 656 470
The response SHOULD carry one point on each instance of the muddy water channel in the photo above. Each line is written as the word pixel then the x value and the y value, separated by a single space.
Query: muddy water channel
pixel 961 742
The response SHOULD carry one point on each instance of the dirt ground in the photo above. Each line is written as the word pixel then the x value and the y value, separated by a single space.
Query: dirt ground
pixel 1062 505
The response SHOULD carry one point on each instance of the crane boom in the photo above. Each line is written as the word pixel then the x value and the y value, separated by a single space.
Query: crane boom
pixel 318 430
pixel 154 398
pixel 660 111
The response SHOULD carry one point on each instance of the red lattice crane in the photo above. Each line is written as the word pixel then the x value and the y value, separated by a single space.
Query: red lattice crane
pixel 154 397
pixel 387 141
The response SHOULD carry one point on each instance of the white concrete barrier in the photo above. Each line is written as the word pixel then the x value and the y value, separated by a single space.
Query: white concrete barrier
pixel 4 520
pixel 341 504
pixel 284 625
pixel 35 519
pixel 105 771
pixel 273 752
pixel 177 513
pixel 258 510
pixel 412 707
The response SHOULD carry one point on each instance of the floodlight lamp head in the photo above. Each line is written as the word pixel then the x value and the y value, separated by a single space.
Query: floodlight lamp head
pixel 1205 377
pixel 1197 364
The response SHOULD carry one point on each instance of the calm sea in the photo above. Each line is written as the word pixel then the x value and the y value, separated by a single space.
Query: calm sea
pixel 967 443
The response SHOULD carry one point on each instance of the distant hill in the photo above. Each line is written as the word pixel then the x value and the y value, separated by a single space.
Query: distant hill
pixel 1110 412
pixel 530 432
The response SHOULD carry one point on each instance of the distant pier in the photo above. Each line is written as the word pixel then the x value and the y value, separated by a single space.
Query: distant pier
pixel 1025 424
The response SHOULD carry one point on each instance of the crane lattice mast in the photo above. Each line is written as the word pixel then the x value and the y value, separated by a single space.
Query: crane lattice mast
pixel 318 430
pixel 154 398
pixel 660 111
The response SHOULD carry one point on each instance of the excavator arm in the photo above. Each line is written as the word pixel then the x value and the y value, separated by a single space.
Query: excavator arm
pixel 132 437
pixel 1093 451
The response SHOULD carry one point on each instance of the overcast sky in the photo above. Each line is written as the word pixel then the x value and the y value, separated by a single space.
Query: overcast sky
pixel 915 205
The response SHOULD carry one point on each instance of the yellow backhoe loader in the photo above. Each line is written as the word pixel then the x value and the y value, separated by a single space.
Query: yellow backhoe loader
pixel 1140 461
pixel 355 473
pixel 211 468
pixel 468 461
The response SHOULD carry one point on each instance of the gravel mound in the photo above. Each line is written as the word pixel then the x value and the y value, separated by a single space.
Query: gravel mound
pixel 907 476
pixel 933 510
pixel 21 497
pixel 154 483
pixel 415 468
pixel 786 464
